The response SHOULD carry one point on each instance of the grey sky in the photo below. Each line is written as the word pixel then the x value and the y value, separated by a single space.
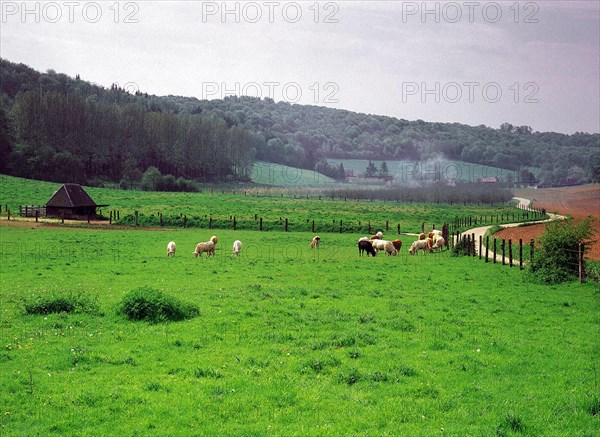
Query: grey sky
pixel 527 63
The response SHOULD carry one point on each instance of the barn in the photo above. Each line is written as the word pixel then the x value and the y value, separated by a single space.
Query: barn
pixel 72 201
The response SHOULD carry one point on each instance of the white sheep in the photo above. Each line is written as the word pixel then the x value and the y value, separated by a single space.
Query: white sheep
pixel 314 244
pixel 237 247
pixel 171 247
pixel 388 246
pixel 207 246
pixel 438 243
pixel 418 245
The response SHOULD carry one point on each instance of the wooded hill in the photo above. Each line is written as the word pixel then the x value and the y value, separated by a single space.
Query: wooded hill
pixel 56 127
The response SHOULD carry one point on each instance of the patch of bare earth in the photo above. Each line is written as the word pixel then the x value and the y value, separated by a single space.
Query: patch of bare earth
pixel 579 202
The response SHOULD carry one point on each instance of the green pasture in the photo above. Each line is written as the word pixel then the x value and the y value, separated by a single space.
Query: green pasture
pixel 405 171
pixel 267 173
pixel 289 341
pixel 217 207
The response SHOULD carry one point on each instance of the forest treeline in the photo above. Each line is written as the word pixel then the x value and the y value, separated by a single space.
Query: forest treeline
pixel 56 127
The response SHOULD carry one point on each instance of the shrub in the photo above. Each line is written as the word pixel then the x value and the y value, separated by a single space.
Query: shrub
pixel 61 303
pixel 557 259
pixel 154 306
pixel 461 248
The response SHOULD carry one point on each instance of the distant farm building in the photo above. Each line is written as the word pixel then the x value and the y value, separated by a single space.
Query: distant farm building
pixel 490 180
pixel 71 201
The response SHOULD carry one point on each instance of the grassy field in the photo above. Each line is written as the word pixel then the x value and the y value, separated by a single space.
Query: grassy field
pixel 288 341
pixel 222 205
pixel 267 173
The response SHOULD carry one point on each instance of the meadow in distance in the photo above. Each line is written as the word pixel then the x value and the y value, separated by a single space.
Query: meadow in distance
pixel 287 340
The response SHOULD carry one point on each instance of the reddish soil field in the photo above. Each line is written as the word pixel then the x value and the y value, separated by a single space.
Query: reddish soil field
pixel 578 202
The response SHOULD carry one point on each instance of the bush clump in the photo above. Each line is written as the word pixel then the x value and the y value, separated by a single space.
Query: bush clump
pixel 146 303
pixel 557 259
pixel 61 303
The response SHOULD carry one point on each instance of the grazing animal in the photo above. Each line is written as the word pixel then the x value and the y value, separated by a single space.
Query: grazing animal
pixel 171 247
pixel 438 243
pixel 429 243
pixel 366 246
pixel 377 236
pixel 237 247
pixel 207 246
pixel 214 239
pixel 314 244
pixel 397 244
pixel 422 236
pixel 435 232
pixel 385 245
pixel 390 249
pixel 418 245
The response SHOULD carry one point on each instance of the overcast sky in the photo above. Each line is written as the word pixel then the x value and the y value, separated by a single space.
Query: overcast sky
pixel 473 62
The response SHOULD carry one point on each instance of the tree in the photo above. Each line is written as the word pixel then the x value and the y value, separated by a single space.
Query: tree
pixel 384 171
pixel 5 139
pixel 151 179
pixel 576 173
pixel 371 170
pixel 341 173
pixel 595 167
pixel 526 177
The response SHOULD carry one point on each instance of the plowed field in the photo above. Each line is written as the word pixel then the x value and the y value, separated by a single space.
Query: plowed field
pixel 579 202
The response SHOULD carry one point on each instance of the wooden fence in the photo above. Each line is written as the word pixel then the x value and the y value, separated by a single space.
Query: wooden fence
pixel 32 211
pixel 504 252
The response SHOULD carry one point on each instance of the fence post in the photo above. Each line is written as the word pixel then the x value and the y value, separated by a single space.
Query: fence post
pixel 161 220
pixel 88 218
pixel 520 253
pixel 531 249
pixel 110 219
pixel 37 213
pixel 503 247
pixel 495 250
pixel 398 228
pixel 480 244
pixel 261 223
pixel 137 222
pixel 234 223
pixel 370 232
pixel 184 220
pixel 473 244
pixel 313 226
pixel 341 226
pixel 581 263
pixel 487 247
pixel 468 245
pixel 510 255
pixel 387 225
pixel 286 224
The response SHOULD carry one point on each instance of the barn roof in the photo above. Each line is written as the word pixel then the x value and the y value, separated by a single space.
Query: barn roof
pixel 70 196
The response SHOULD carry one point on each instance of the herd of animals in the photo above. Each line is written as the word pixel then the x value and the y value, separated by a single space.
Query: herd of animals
pixel 426 242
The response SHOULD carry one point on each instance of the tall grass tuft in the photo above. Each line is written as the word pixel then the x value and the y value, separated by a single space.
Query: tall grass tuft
pixel 146 303
pixel 511 423
pixel 57 303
